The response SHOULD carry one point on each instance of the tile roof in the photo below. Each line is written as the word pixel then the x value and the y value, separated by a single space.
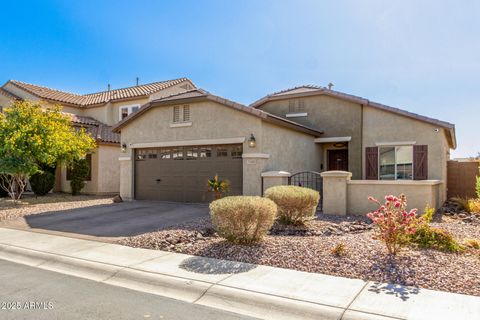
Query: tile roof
pixel 98 130
pixel 311 90
pixel 202 95
pixel 98 97
pixel 8 94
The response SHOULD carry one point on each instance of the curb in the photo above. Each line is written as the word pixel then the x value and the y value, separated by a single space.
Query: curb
pixel 213 295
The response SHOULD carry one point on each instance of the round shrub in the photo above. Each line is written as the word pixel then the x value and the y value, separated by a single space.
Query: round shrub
pixel 243 219
pixel 42 182
pixel 295 204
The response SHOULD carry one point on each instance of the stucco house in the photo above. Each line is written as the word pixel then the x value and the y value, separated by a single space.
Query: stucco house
pixel 172 145
pixel 97 113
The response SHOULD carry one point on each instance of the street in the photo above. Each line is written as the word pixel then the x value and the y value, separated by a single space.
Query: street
pixel 31 293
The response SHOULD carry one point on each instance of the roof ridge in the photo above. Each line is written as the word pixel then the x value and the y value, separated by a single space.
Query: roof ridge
pixel 308 86
pixel 132 87
pixel 17 82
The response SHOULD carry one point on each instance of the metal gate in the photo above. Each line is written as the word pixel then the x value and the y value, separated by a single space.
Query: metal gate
pixel 308 179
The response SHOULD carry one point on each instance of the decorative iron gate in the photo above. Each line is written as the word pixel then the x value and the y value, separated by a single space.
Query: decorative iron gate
pixel 308 179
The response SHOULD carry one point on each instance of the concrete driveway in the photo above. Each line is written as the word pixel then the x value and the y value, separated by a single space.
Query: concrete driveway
pixel 115 220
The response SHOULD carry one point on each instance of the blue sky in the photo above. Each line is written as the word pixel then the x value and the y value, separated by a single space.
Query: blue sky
pixel 422 56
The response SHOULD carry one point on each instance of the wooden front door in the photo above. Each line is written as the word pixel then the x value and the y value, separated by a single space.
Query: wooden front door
pixel 337 160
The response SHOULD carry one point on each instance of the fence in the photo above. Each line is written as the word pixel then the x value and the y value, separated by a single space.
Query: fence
pixel 461 178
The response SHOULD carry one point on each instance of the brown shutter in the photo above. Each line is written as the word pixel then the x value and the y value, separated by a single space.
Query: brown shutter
pixel 371 163
pixel 420 162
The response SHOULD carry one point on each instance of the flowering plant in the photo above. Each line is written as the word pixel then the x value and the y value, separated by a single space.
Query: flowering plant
pixel 394 223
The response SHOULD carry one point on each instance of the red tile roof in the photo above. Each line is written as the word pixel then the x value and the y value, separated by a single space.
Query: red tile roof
pixel 98 130
pixel 98 97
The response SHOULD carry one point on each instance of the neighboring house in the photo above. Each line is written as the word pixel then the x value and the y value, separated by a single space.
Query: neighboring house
pixel 174 144
pixel 97 113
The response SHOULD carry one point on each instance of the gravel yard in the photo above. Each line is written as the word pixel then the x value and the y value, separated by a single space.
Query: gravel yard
pixel 309 249
pixel 52 202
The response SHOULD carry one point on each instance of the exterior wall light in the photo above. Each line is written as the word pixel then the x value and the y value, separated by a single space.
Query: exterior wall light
pixel 124 147
pixel 251 141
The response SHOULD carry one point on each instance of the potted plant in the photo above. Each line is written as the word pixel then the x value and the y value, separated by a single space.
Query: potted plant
pixel 218 187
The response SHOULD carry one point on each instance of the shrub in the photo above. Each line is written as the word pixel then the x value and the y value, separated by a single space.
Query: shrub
pixel 435 238
pixel 340 250
pixel 393 222
pixel 42 182
pixel 473 206
pixel 79 173
pixel 295 204
pixel 242 219
pixel 472 243
pixel 218 187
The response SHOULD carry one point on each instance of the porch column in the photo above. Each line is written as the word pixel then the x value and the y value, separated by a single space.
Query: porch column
pixel 335 191
pixel 274 178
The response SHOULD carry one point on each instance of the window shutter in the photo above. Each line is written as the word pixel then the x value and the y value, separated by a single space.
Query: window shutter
pixel 301 106
pixel 186 113
pixel 420 162
pixel 176 114
pixel 371 163
pixel 291 106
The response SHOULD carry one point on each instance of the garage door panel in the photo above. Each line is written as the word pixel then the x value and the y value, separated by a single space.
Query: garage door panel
pixel 159 177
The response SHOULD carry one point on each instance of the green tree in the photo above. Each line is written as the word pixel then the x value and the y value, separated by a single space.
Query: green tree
pixel 33 137
pixel 79 172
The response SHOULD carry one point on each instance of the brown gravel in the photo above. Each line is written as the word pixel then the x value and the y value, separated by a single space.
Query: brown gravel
pixel 310 250
pixel 49 203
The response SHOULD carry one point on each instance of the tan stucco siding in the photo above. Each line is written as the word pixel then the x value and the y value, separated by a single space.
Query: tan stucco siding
pixel 385 127
pixel 91 187
pixel 170 91
pixel 335 117
pixel 209 120
pixel 5 101
pixel 108 169
pixel 20 93
pixel 290 150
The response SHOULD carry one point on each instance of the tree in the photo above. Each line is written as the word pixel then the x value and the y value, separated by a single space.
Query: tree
pixel 33 137
pixel 13 175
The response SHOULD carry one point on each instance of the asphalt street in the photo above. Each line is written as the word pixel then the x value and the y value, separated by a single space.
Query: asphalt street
pixel 32 293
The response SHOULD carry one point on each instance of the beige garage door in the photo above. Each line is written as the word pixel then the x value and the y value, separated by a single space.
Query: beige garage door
pixel 181 173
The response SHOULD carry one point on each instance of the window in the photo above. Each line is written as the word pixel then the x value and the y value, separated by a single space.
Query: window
pixel 125 111
pixel 165 154
pixel 88 157
pixel 236 152
pixel 177 154
pixel 296 108
pixel 152 154
pixel 222 152
pixel 205 152
pixel 396 163
pixel 181 114
pixel 192 153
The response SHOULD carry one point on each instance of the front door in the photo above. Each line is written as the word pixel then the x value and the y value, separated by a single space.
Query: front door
pixel 337 159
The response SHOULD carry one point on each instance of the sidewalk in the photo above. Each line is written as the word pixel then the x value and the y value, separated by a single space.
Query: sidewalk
pixel 258 291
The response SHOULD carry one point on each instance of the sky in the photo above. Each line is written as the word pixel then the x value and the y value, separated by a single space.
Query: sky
pixel 422 56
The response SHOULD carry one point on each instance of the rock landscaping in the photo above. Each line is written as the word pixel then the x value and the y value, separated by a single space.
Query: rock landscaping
pixel 315 246
pixel 456 211
pixel 30 204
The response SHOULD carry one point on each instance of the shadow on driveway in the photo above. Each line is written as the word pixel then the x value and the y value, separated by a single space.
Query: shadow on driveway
pixel 119 219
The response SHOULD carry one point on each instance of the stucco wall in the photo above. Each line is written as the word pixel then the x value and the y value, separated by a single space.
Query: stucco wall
pixel 91 187
pixel 419 194
pixel 337 118
pixel 290 150
pixel 108 169
pixel 385 127
pixel 4 101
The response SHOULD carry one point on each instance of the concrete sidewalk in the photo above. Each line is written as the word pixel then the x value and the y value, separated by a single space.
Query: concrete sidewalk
pixel 258 291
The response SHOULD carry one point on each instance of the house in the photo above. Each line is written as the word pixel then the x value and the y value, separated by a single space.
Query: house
pixel 172 145
pixel 97 113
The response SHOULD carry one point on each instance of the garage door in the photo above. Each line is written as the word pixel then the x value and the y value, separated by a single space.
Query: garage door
pixel 181 173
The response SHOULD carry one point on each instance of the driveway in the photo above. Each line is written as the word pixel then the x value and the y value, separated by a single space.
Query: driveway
pixel 115 220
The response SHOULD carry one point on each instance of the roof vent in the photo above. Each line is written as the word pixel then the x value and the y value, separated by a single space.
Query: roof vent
pixel 330 86
pixel 136 80
pixel 109 87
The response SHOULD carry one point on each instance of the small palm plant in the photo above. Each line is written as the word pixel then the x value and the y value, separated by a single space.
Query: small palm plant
pixel 218 187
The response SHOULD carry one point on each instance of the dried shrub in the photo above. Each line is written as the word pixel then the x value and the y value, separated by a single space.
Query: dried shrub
pixel 296 205
pixel 394 224
pixel 340 250
pixel 243 219
pixel 473 206
pixel 472 243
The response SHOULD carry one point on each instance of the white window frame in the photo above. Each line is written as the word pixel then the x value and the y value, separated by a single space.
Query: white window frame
pixel 129 110
pixel 395 146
